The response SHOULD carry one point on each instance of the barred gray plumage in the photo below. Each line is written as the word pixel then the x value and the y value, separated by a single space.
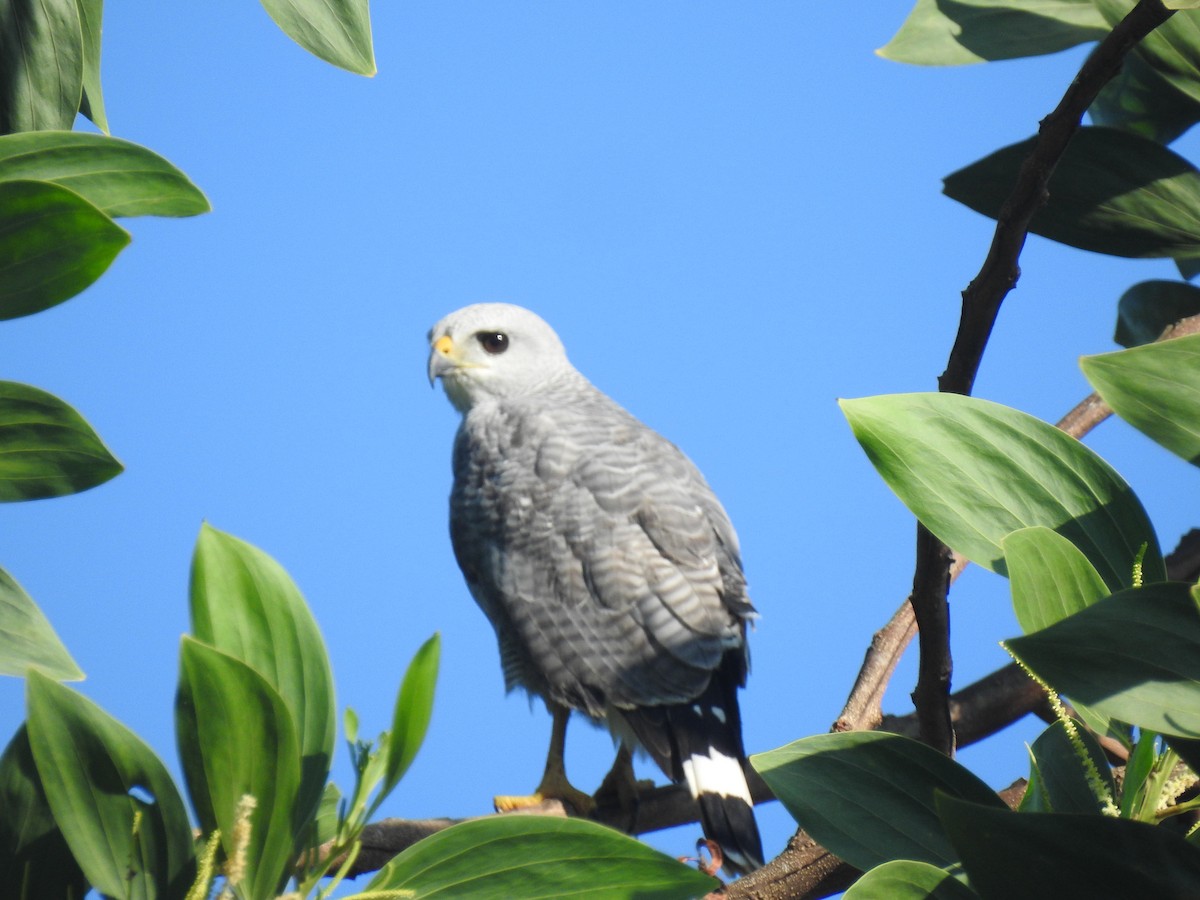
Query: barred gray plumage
pixel 605 563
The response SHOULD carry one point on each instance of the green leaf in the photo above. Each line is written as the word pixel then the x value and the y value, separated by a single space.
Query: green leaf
pixel 1150 307
pixel 27 639
pixel 1134 656
pixel 98 776
pixel 1062 783
pixel 1050 580
pixel 1141 101
pixel 337 31
pixel 118 177
pixel 905 879
pixel 326 821
pixel 53 244
pixel 1188 266
pixel 46 448
pixel 1153 388
pixel 236 738
pixel 42 47
pixel 955 32
pixel 35 860
pixel 974 471
pixel 536 857
pixel 1172 49
pixel 1055 855
pixel 1113 192
pixel 91 14
pixel 867 796
pixel 1049 576
pixel 410 719
pixel 244 604
pixel 1137 769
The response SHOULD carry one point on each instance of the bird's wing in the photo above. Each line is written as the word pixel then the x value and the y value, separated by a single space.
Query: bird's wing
pixel 607 566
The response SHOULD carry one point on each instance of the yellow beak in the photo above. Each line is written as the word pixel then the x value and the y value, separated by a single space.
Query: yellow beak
pixel 441 359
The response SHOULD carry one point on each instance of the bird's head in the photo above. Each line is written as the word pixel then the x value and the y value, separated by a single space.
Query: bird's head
pixel 494 350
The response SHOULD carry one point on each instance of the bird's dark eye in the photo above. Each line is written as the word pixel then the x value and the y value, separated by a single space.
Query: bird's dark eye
pixel 494 342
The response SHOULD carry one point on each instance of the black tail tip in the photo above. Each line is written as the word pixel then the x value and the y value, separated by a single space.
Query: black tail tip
pixel 729 822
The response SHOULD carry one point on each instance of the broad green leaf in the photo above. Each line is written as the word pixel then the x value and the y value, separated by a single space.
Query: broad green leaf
pixel 118 177
pixel 337 31
pixel 1045 855
pixel 1153 388
pixel 1141 101
pixel 27 639
pixel 35 860
pixel 974 471
pixel 53 244
pixel 1134 656
pixel 1061 780
pixel 41 45
pixel 937 33
pixel 1050 578
pixel 236 738
pixel 1148 308
pixel 244 604
pixel 906 879
pixel 98 775
pixel 46 448
pixel 1113 192
pixel 538 858
pixel 867 796
pixel 410 718
pixel 1172 49
pixel 91 104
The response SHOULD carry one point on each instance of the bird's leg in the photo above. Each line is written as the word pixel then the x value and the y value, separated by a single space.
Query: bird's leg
pixel 554 784
pixel 620 788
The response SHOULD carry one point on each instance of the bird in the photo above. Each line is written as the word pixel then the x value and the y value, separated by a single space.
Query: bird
pixel 604 561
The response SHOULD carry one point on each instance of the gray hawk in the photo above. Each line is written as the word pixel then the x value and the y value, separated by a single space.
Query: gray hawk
pixel 605 563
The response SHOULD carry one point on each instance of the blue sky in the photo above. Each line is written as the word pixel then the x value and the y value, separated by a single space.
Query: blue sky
pixel 731 213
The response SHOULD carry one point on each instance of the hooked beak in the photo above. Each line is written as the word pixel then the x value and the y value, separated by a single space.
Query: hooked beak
pixel 442 358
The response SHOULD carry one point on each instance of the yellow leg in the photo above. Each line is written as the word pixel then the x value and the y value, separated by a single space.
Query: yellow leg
pixel 554 784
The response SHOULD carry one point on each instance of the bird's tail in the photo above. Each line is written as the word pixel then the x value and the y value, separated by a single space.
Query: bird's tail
pixel 711 757
pixel 700 743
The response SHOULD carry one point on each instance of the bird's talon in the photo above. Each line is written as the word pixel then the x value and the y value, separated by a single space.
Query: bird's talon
pixel 511 802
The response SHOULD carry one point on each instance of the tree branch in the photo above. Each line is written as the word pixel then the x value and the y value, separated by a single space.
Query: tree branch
pixel 1000 270
pixel 980 306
